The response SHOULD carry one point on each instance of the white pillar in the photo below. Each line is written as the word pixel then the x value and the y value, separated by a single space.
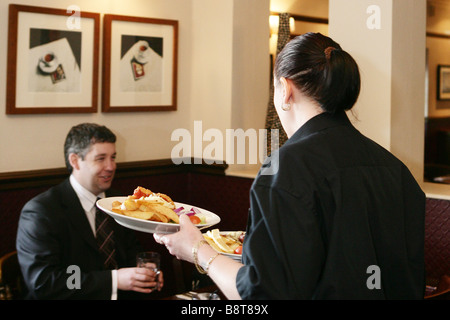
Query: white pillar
pixel 230 65
pixel 387 40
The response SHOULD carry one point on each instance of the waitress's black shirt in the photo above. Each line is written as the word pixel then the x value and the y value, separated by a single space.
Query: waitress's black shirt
pixel 341 218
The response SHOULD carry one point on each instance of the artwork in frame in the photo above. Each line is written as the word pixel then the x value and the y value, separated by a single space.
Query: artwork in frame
pixel 443 82
pixel 52 60
pixel 139 64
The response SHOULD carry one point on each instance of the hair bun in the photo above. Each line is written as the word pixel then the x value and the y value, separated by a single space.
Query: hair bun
pixel 328 51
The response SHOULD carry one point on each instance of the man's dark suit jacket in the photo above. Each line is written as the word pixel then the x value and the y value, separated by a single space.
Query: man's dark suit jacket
pixel 53 234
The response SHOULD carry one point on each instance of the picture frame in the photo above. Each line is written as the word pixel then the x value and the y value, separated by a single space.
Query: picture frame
pixel 140 60
pixel 443 82
pixel 52 60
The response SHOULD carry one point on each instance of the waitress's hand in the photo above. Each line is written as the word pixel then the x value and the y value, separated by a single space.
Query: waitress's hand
pixel 180 244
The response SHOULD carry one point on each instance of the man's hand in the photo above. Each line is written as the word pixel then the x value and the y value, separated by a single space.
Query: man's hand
pixel 139 280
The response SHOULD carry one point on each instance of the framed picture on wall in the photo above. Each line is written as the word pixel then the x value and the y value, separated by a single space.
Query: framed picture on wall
pixel 52 60
pixel 139 64
pixel 443 82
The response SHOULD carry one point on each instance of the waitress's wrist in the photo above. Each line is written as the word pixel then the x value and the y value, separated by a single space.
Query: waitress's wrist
pixel 206 256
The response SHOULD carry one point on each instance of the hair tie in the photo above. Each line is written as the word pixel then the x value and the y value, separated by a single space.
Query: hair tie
pixel 328 51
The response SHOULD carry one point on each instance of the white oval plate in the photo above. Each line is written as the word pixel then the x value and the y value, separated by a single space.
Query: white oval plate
pixel 153 226
pixel 234 256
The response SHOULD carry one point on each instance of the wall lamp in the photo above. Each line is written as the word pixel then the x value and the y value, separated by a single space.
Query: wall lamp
pixel 274 22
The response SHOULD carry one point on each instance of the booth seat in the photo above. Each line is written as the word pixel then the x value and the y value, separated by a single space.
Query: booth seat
pixel 205 186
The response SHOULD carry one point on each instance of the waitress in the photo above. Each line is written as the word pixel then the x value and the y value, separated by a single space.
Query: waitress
pixel 341 219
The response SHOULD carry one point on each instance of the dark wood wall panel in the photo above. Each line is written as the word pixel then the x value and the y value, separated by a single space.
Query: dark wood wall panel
pixel 201 185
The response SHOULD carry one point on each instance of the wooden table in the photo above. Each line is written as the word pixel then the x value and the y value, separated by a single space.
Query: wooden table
pixel 208 289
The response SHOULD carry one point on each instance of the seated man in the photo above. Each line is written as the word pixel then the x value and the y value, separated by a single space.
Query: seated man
pixel 58 239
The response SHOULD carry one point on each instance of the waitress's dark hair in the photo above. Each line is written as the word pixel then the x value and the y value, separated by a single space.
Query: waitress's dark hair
pixel 320 69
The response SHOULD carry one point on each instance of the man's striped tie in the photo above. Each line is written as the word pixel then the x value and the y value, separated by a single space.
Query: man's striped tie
pixel 105 238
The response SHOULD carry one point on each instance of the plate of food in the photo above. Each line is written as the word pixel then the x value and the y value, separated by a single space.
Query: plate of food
pixel 151 212
pixel 228 243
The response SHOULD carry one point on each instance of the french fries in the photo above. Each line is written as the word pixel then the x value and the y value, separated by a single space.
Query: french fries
pixel 224 242
pixel 146 205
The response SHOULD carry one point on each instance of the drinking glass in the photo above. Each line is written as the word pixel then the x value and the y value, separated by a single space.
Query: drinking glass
pixel 150 260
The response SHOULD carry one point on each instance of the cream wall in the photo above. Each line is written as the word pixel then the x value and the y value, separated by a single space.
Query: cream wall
pixel 386 84
pixel 438 23
pixel 210 82
pixel 391 58
pixel 391 104
pixel 311 8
